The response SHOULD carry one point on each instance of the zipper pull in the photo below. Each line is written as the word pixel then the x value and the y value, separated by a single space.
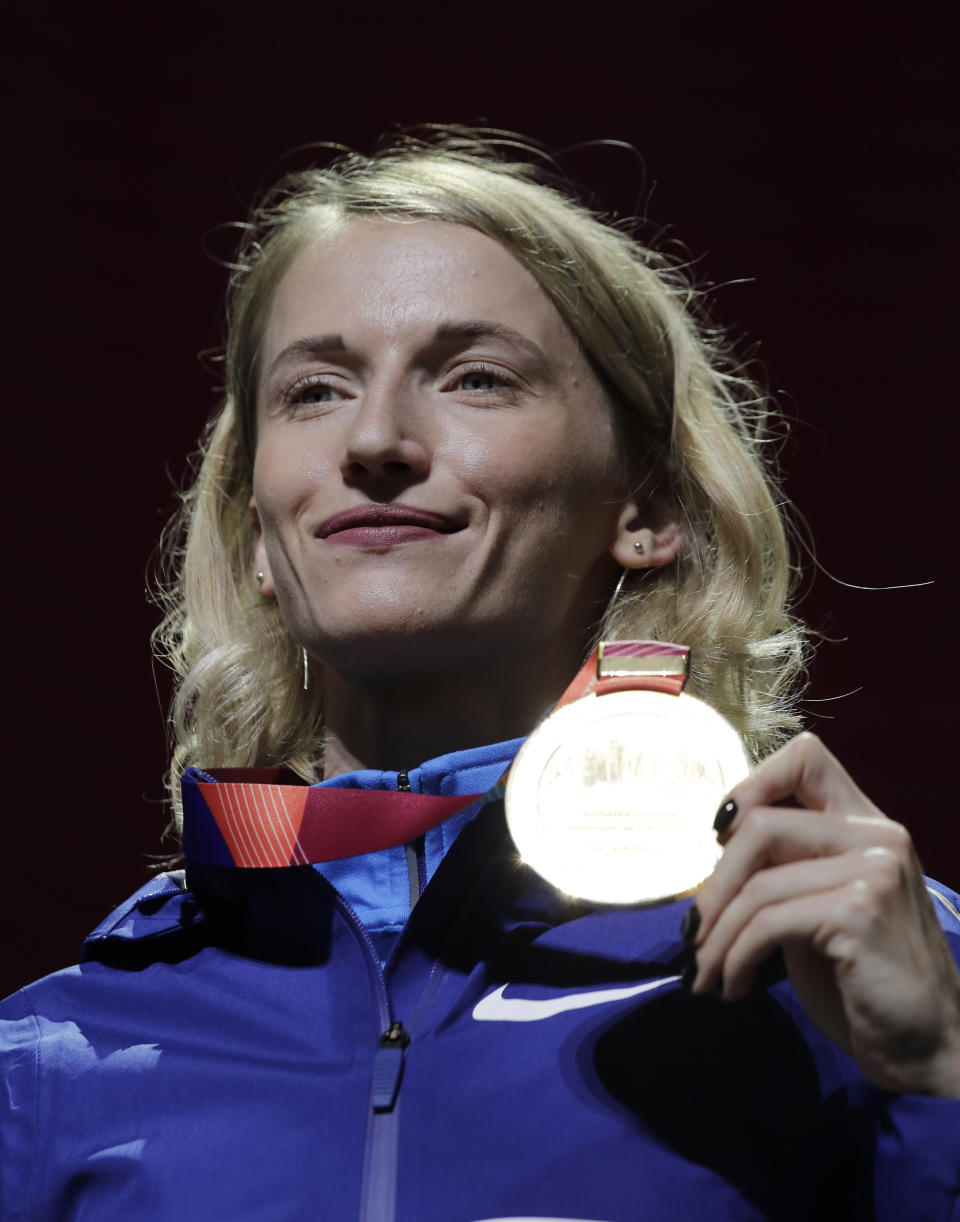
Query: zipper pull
pixel 388 1068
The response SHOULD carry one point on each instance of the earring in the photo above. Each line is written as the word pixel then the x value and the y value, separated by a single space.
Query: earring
pixel 615 595
pixel 639 548
pixel 260 576
pixel 306 671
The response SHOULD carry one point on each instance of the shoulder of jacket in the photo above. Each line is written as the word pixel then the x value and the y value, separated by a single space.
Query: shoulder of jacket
pixel 158 906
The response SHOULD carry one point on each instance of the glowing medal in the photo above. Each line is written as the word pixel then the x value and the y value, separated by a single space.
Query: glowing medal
pixel 613 796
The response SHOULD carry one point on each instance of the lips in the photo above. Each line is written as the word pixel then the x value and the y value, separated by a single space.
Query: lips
pixel 384 524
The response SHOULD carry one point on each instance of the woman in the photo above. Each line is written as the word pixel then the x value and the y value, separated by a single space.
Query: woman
pixel 459 408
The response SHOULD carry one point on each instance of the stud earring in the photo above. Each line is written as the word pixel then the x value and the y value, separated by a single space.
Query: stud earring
pixel 639 548
pixel 260 576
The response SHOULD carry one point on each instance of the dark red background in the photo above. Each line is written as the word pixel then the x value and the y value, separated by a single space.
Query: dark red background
pixel 803 152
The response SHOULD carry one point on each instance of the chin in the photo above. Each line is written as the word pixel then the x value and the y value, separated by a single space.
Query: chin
pixel 375 647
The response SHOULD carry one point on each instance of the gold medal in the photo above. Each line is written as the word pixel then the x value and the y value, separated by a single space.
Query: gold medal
pixel 612 798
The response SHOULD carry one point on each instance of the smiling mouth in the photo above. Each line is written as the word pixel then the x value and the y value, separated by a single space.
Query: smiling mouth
pixel 384 525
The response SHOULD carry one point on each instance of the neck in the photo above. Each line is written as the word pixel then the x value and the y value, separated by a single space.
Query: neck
pixel 397 725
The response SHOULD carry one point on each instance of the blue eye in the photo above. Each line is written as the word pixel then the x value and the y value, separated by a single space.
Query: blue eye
pixel 317 392
pixel 478 379
pixel 313 390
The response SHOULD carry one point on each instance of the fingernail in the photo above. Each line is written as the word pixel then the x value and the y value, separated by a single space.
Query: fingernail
pixel 691 925
pixel 725 816
pixel 689 973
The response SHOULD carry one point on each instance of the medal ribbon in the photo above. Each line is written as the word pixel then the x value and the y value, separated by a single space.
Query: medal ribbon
pixel 244 818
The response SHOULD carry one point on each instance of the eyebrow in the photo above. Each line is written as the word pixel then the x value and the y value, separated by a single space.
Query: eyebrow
pixel 311 345
pixel 481 329
pixel 449 332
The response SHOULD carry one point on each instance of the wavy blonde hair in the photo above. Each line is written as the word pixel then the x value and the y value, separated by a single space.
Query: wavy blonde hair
pixel 690 414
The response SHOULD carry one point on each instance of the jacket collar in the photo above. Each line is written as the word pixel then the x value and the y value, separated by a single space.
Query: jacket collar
pixel 263 817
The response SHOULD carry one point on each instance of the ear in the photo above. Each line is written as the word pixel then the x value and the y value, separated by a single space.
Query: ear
pixel 260 562
pixel 640 545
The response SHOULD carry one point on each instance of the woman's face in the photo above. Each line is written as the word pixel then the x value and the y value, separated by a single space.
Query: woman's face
pixel 437 474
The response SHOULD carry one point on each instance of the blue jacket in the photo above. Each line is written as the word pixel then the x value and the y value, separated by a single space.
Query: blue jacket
pixel 229 1049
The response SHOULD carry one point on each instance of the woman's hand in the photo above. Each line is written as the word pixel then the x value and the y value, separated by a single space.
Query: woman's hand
pixel 838 886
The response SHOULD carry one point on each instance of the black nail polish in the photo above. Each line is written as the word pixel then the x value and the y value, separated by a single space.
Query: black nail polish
pixel 691 925
pixel 725 816
pixel 689 973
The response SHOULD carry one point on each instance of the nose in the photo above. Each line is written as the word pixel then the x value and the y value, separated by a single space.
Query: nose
pixel 387 440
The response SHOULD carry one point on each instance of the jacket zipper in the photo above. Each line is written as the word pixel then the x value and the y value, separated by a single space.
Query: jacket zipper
pixel 416 850
pixel 378 1189
pixel 388 1059
pixel 388 1068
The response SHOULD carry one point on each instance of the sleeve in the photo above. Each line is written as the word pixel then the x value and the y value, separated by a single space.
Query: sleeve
pixel 19 1105
pixel 917 1137
pixel 917 1161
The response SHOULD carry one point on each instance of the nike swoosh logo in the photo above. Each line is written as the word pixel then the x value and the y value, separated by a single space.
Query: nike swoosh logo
pixel 495 1008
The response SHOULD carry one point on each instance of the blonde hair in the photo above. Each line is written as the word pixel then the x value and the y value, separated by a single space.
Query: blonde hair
pixel 691 415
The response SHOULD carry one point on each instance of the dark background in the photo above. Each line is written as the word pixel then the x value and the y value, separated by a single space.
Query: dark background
pixel 803 155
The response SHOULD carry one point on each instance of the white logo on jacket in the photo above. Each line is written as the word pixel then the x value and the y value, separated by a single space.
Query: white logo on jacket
pixel 495 1008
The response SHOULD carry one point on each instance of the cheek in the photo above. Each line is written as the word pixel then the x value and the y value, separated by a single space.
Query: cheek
pixel 314 465
pixel 284 477
pixel 546 468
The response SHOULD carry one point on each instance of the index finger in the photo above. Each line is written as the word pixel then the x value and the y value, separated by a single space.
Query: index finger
pixel 805 770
